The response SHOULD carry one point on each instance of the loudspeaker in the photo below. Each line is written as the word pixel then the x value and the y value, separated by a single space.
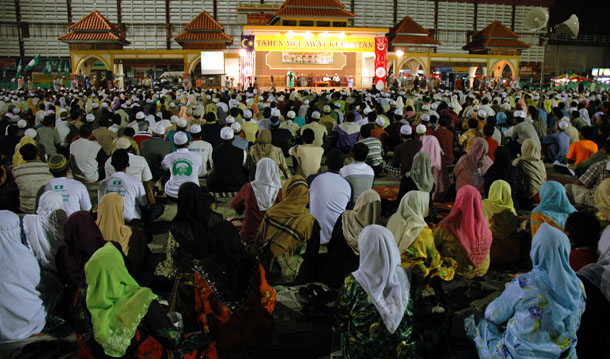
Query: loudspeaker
pixel 569 27
pixel 536 19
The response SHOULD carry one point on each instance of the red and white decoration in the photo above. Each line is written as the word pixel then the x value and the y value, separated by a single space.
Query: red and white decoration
pixel 381 61
pixel 246 60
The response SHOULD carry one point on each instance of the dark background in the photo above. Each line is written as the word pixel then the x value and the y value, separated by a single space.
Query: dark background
pixel 594 16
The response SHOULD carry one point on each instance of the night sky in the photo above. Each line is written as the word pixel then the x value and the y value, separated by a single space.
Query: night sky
pixel 594 16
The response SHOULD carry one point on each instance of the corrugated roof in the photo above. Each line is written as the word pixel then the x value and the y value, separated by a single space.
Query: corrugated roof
pixel 92 36
pixel 204 36
pixel 93 21
pixel 203 22
pixel 490 44
pixel 409 26
pixel 496 29
pixel 413 40
pixel 314 8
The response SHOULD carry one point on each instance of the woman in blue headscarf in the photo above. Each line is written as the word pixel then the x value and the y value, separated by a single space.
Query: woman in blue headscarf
pixel 539 312
pixel 554 207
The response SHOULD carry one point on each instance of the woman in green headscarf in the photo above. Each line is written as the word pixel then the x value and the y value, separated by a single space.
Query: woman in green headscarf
pixel 419 178
pixel 114 316
pixel 498 208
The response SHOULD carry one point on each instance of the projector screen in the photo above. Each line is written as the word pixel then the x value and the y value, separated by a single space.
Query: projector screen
pixel 212 63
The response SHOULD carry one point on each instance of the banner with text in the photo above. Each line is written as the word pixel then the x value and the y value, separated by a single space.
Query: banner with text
pixel 247 61
pixel 381 61
pixel 314 43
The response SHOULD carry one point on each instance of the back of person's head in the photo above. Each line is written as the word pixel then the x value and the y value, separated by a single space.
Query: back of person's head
pixel 488 130
pixel 473 123
pixel 335 159
pixel 360 151
pixel 308 136
pixel 350 117
pixel 267 112
pixel 129 132
pixel 365 131
pixel 84 131
pixel 491 120
pixel 12 130
pixel 444 121
pixel 28 152
pixel 210 117
pixel 48 120
pixel 120 160
pixel 104 122
pixel 587 131
pixel 533 112
pixel 116 119
pixel 371 116
pixel 583 229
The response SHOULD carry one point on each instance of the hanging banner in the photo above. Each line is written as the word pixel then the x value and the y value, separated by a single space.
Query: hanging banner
pixel 246 61
pixel 303 42
pixel 381 61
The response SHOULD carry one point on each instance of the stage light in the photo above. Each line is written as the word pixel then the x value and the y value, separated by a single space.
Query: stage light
pixel 290 34
pixel 400 53
pixel 308 35
pixel 342 35
pixel 242 52
pixel 324 34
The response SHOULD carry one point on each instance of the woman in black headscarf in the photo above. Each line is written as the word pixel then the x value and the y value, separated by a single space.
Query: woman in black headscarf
pixel 188 240
pixel 233 300
pixel 502 169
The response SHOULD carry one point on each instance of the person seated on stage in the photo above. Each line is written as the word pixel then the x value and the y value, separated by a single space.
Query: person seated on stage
pixel 336 79
pixel 308 157
pixel 288 239
pixel 343 255
pixel 359 174
pixel 326 78
pixel 539 312
pixel 554 207
pixel 374 314
pixel 327 120
pixel 228 174
pixel 115 317
pixel 583 230
pixel 256 197
pixel 464 235
pixel 233 301
pixel 347 133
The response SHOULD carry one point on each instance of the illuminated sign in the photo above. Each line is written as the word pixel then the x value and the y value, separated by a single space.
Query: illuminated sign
pixel 314 43
pixel 258 7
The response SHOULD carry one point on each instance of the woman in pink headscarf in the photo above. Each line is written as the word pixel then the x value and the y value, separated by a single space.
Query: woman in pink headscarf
pixel 439 170
pixel 464 235
pixel 472 166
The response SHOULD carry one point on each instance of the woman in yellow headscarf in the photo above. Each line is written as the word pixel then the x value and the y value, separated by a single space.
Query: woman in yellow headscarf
pixel 264 148
pixel 602 202
pixel 17 158
pixel 503 221
pixel 110 221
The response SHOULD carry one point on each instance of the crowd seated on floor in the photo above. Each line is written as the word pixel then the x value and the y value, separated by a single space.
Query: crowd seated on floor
pixel 513 179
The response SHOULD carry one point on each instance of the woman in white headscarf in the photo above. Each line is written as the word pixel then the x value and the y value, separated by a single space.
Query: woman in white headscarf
pixel 22 312
pixel 374 312
pixel 256 197
pixel 594 331
pixel 44 230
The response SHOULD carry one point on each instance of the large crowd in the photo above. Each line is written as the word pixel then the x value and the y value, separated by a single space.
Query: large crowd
pixel 86 175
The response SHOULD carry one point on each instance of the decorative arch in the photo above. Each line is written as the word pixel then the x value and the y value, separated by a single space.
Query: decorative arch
pixel 410 62
pixel 498 67
pixel 83 66
pixel 191 62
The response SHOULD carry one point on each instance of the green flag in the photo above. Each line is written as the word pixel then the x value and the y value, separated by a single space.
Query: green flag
pixel 18 69
pixel 59 64
pixel 66 69
pixel 4 69
pixel 47 68
pixel 32 63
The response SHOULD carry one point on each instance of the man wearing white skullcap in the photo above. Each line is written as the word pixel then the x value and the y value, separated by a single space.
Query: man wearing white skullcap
pixel 319 130
pixel 228 173
pixel 155 149
pixel 404 152
pixel 184 166
pixel 181 124
pixel 202 148
pixel 250 127
pixel 523 129
pixel 557 144
pixel 238 141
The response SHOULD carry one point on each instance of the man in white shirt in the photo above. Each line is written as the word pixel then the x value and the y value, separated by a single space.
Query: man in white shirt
pixel 203 148
pixel 75 195
pixel 184 166
pixel 329 195
pixel 84 156
pixel 120 182
pixel 138 167
pixel 359 174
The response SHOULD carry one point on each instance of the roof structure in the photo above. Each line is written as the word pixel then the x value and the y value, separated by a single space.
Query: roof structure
pixel 495 36
pixel 92 28
pixel 409 33
pixel 327 9
pixel 203 29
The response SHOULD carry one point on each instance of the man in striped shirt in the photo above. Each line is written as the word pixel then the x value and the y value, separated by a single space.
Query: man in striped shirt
pixel 375 155
pixel 29 177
